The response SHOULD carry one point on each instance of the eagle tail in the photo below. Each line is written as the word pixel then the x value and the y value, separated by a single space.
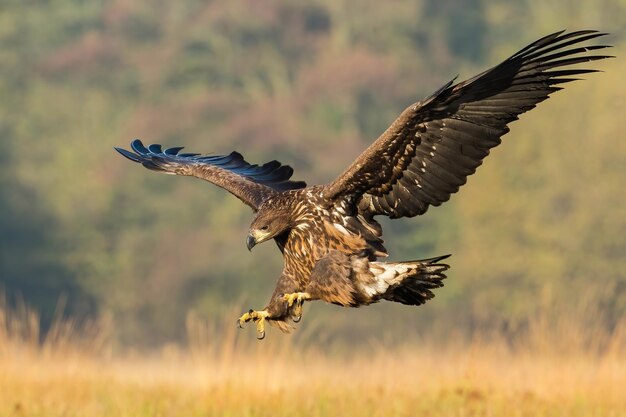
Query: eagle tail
pixel 409 282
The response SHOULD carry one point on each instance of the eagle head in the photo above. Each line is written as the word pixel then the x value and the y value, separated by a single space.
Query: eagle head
pixel 270 221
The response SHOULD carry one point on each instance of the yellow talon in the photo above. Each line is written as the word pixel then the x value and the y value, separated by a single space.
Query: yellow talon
pixel 297 298
pixel 258 317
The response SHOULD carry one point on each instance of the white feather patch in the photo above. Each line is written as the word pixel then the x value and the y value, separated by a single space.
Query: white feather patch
pixel 341 228
pixel 374 288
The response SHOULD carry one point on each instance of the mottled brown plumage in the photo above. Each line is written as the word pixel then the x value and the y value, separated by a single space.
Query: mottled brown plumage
pixel 328 235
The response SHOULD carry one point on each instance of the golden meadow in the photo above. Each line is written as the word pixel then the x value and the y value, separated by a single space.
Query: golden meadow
pixel 555 367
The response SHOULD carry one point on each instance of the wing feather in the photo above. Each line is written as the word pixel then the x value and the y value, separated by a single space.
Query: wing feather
pixel 252 184
pixel 434 145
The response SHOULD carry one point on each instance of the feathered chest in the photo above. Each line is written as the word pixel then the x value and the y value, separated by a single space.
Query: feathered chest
pixel 318 230
pixel 312 239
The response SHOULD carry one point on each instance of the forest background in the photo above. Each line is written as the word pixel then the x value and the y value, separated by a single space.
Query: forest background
pixel 538 233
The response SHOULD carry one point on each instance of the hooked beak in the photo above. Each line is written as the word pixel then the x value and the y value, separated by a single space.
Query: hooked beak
pixel 250 242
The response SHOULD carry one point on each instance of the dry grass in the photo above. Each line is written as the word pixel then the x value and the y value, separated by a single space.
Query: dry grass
pixel 74 375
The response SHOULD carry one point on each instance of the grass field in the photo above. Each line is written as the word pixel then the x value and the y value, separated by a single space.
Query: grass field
pixel 74 373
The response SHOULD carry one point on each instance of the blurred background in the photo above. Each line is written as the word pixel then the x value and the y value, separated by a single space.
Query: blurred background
pixel 538 233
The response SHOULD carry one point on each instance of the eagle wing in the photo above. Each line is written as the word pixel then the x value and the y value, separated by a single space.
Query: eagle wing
pixel 434 145
pixel 252 184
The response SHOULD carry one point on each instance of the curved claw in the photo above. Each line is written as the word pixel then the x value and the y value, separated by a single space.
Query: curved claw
pixel 258 317
pixel 246 317
pixel 295 301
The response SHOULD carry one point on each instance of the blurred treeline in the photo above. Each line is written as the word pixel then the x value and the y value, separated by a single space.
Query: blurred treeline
pixel 541 227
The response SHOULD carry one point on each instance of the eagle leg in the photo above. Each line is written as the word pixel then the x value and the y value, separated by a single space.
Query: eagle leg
pixel 258 317
pixel 296 299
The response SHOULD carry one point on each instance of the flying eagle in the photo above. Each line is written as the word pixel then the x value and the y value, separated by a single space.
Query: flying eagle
pixel 327 234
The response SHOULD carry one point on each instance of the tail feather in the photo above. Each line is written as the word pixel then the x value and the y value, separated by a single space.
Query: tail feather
pixel 411 282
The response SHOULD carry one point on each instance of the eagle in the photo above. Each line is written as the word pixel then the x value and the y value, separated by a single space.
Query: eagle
pixel 328 235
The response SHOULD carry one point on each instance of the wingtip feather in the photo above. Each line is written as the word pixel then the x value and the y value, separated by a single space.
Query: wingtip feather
pixel 138 147
pixel 129 155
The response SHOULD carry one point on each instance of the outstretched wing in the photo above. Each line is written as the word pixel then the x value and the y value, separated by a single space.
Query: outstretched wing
pixel 430 150
pixel 252 184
